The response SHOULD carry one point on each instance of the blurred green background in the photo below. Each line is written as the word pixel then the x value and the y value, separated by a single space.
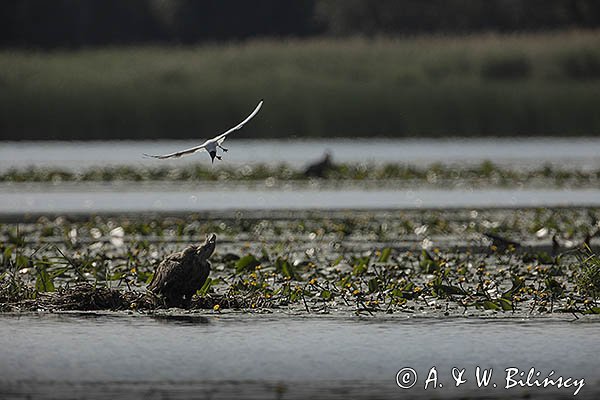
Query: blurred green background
pixel 177 69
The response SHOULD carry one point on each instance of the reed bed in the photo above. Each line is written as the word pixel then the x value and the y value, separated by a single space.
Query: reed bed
pixel 502 85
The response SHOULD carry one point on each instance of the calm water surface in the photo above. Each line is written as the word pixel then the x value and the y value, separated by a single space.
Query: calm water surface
pixel 297 355
pixel 73 199
pixel 581 153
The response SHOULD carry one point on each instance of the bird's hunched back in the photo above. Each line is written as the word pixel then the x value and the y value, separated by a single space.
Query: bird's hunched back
pixel 181 274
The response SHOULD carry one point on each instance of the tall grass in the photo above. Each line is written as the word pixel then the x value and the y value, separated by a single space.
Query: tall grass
pixel 488 84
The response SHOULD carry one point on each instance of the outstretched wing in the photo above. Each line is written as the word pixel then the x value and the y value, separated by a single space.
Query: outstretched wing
pixel 179 153
pixel 219 139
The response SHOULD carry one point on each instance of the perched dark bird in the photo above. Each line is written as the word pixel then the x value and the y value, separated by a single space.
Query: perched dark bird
pixel 320 168
pixel 180 275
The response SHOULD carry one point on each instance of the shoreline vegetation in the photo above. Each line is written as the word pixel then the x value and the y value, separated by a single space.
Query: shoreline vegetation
pixel 484 84
pixel 485 174
pixel 528 262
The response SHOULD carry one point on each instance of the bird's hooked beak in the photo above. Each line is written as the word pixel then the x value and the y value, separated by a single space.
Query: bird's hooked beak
pixel 213 154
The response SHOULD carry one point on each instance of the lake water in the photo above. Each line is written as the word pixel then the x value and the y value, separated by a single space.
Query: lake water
pixel 261 356
pixel 580 153
pixel 583 153
pixel 16 199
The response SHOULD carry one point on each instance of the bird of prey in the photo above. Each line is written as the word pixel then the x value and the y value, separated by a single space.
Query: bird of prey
pixel 211 144
pixel 180 275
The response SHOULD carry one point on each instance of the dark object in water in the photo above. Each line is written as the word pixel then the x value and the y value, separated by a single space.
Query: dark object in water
pixel 320 168
pixel 180 275
pixel 502 243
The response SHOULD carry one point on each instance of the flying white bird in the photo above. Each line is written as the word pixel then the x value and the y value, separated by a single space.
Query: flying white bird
pixel 211 144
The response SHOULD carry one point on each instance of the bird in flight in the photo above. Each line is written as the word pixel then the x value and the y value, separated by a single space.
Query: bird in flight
pixel 211 144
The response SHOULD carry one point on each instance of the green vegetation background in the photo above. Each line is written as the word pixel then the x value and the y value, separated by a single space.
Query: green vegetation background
pixel 529 84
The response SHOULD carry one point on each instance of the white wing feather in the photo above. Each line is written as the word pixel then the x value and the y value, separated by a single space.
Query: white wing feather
pixel 179 153
pixel 218 139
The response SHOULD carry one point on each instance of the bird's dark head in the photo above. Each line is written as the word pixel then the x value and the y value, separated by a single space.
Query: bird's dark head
pixel 213 154
pixel 206 249
pixel 190 251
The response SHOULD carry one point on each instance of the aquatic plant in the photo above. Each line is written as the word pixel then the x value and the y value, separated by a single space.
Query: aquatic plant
pixel 588 279
pixel 484 174
pixel 436 262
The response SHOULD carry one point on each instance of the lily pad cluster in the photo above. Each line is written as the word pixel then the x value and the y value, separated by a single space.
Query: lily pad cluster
pixel 412 262
pixel 484 174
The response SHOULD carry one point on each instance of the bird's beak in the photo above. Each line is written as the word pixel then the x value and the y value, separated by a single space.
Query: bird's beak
pixel 208 247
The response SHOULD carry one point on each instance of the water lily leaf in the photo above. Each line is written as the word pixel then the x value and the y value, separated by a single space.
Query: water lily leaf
pixel 449 290
pixel 246 263
pixel 385 255
pixel 427 263
pixel 326 294
pixel 505 304
pixel 285 268
pixel 517 283
pixel 490 305
pixel 337 261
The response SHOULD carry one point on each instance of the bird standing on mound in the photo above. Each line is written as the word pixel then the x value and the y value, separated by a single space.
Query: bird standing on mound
pixel 211 144
pixel 180 275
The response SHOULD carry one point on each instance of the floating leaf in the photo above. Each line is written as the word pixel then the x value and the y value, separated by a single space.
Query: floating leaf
pixel 246 263
pixel 359 269
pixel 427 263
pixel 490 305
pixel 337 261
pixel 285 268
pixel 505 304
pixel 385 255
pixel 449 290
pixel 517 283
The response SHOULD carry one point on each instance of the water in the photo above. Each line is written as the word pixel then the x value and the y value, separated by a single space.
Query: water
pixel 582 153
pixel 264 355
pixel 157 198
